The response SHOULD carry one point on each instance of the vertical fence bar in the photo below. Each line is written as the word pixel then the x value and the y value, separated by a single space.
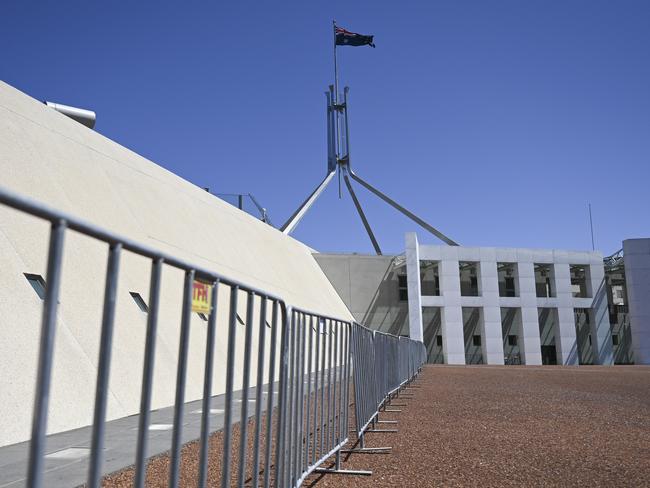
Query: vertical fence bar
pixel 292 396
pixel 336 373
pixel 181 374
pixel 269 399
pixel 310 330
pixel 45 355
pixel 258 397
pixel 280 452
pixel 301 405
pixel 330 348
pixel 243 418
pixel 207 387
pixel 341 367
pixel 147 374
pixel 321 424
pixel 316 370
pixel 104 365
pixel 348 366
pixel 298 382
pixel 230 372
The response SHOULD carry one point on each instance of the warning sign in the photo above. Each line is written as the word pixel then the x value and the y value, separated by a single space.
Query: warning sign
pixel 201 297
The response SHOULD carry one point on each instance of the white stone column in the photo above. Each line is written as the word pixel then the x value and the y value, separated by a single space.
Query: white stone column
pixel 601 334
pixel 529 344
pixel 412 251
pixel 492 343
pixel 453 341
pixel 565 329
pixel 636 256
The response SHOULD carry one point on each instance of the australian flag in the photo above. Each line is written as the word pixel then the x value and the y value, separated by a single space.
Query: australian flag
pixel 347 38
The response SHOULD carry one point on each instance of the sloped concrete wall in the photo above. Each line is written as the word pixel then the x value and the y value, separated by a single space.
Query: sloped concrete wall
pixel 51 158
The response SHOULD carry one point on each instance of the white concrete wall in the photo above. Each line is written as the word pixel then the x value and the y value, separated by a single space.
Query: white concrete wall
pixel 636 255
pixel 490 302
pixel 51 158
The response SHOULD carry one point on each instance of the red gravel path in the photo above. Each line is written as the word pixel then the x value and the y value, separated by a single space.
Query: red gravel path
pixel 500 426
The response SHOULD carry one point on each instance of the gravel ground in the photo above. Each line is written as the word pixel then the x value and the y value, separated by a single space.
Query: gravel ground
pixel 496 426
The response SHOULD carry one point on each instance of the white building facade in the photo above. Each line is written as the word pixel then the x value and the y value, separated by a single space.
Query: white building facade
pixel 491 305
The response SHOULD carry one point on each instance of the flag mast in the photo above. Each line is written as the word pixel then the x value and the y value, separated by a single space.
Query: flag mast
pixel 338 160
pixel 335 103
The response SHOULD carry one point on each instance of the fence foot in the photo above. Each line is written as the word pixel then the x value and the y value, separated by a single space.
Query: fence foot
pixel 391 410
pixel 386 421
pixel 367 450
pixel 343 471
pixel 383 431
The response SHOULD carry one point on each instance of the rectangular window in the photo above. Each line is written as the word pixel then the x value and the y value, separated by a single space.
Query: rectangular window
pixel 512 340
pixel 469 272
pixel 429 278
pixel 615 339
pixel 139 301
pixel 507 274
pixel 38 284
pixel 544 280
pixel 439 341
pixel 476 340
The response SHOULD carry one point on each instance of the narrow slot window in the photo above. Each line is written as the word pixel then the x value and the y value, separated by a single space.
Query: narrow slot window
pixel 38 284
pixel 139 301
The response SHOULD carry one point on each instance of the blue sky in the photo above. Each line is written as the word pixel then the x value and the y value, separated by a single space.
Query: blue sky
pixel 496 121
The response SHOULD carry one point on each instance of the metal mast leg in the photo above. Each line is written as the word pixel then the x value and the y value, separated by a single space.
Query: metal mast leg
pixel 375 244
pixel 409 214
pixel 291 224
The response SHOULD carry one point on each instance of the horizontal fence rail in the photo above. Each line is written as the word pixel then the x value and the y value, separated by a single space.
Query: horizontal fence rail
pixel 300 371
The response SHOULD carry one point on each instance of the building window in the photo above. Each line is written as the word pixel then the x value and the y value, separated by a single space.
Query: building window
pixel 476 340
pixel 512 340
pixel 429 278
pixel 544 280
pixel 469 278
pixel 439 340
pixel 139 301
pixel 615 339
pixel 580 277
pixel 203 316
pixel 402 288
pixel 38 284
pixel 507 273
pixel 240 320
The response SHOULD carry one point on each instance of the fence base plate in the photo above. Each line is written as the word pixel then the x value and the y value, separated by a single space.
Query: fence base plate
pixel 343 471
pixel 367 450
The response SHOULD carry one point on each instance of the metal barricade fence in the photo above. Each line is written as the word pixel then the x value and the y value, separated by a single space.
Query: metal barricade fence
pixel 307 361
pixel 395 361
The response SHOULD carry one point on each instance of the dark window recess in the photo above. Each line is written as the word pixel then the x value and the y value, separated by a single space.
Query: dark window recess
pixel 615 339
pixel 439 341
pixel 590 339
pixel 476 340
pixel 403 288
pixel 510 286
pixel 512 340
pixel 38 284
pixel 139 301
pixel 240 320
pixel 203 316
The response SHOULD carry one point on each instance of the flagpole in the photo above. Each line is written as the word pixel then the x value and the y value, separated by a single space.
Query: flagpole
pixel 335 101
pixel 336 68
